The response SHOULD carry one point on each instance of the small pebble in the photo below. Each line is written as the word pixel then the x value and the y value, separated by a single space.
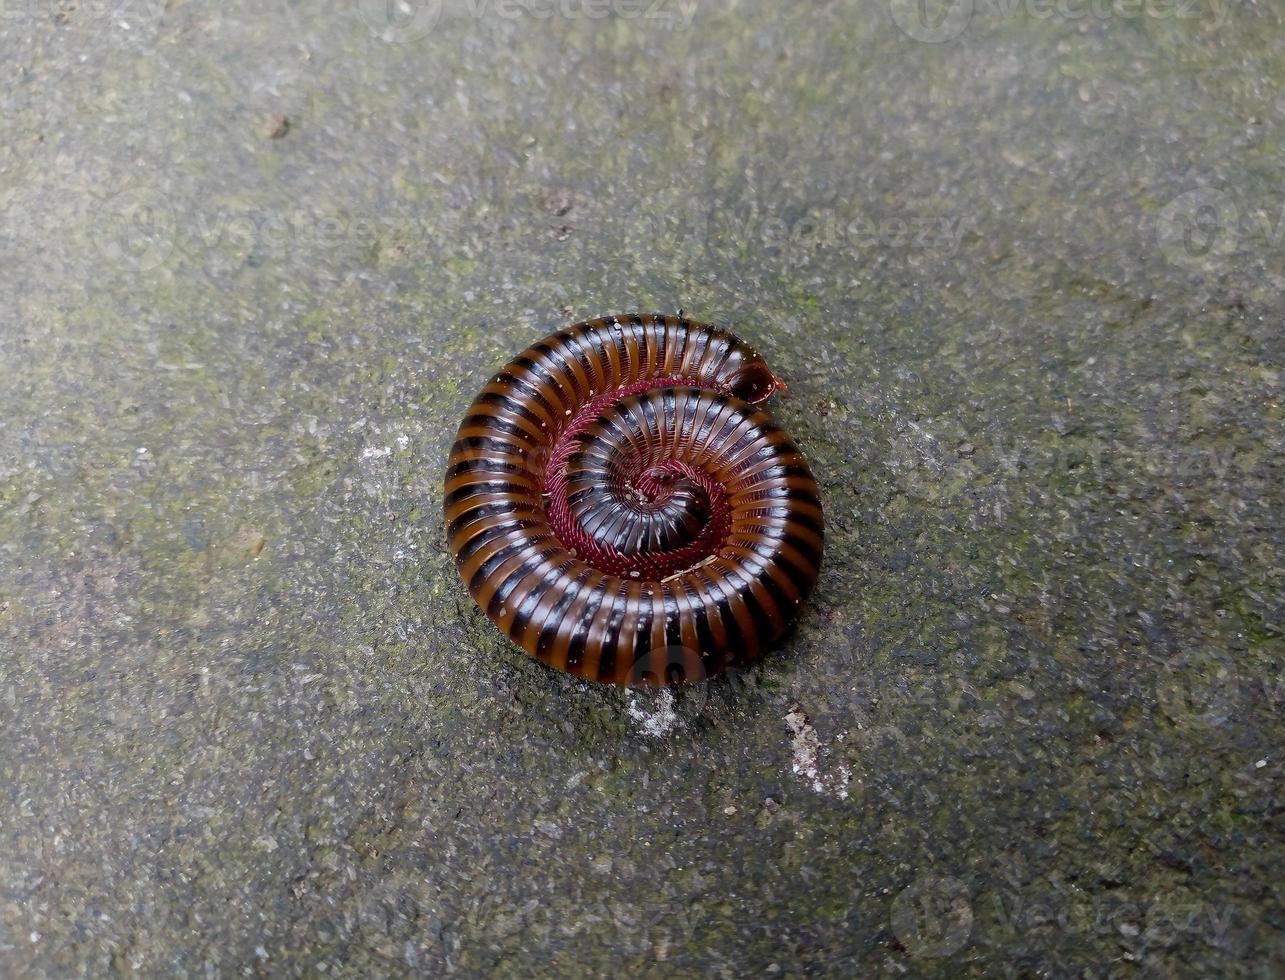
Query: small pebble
pixel 276 127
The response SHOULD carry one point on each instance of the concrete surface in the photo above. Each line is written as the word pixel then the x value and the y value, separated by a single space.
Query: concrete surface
pixel 1021 264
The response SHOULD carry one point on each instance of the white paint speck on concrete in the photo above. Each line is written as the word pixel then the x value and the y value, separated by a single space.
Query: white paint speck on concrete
pixel 806 748
pixel 658 723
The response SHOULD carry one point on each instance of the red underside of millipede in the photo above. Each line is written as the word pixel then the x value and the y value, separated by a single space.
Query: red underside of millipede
pixel 650 565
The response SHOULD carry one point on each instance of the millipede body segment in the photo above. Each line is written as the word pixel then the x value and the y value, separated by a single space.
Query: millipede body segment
pixel 621 506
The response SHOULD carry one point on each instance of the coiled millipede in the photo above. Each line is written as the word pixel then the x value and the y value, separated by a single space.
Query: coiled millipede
pixel 620 505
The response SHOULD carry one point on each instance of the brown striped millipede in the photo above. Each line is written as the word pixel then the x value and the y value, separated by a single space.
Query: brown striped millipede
pixel 622 507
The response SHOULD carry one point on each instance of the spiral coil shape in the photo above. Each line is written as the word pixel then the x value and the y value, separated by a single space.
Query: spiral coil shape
pixel 621 506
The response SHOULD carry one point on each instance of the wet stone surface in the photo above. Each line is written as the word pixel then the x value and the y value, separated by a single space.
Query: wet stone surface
pixel 1021 268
